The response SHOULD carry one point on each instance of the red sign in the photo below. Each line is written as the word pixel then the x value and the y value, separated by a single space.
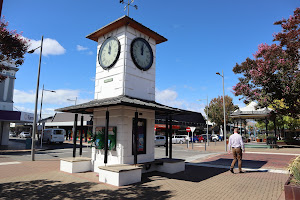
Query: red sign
pixel 188 129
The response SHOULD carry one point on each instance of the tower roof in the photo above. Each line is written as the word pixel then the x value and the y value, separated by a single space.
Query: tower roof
pixel 125 20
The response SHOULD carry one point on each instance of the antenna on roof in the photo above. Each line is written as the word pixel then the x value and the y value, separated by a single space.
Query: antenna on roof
pixel 128 5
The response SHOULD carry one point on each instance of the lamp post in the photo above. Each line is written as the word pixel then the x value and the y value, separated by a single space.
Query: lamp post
pixel 36 100
pixel 73 100
pixel 41 112
pixel 223 109
pixel 207 140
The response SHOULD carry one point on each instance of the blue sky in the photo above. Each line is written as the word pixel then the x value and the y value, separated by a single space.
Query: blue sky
pixel 204 37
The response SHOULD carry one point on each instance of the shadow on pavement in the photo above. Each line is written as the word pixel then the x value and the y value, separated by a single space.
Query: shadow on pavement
pixel 191 173
pixel 46 189
pixel 254 164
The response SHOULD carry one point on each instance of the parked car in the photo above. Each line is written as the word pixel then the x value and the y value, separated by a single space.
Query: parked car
pixel 12 134
pixel 160 140
pixel 180 139
pixel 195 139
pixel 205 138
pixel 214 137
pixel 200 138
pixel 25 135
pixel 220 137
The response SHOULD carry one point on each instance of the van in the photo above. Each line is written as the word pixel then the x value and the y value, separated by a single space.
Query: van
pixel 54 135
pixel 160 140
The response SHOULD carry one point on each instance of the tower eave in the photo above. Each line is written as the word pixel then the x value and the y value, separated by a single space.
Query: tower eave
pixel 125 20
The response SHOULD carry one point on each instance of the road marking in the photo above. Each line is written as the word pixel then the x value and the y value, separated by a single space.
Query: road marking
pixel 63 152
pixel 279 171
pixel 10 163
pixel 285 154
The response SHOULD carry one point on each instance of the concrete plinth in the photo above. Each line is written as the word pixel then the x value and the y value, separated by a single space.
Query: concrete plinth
pixel 75 165
pixel 120 175
pixel 171 166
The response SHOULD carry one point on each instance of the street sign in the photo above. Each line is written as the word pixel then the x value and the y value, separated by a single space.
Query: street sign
pixel 192 129
pixel 188 129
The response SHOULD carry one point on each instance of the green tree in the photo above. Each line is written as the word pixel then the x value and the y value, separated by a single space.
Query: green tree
pixel 12 48
pixel 215 110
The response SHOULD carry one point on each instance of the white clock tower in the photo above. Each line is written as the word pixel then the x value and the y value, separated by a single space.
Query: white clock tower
pixel 126 61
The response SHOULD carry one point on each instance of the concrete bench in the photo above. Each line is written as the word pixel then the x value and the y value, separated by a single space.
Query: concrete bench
pixel 171 166
pixel 150 166
pixel 75 165
pixel 125 174
pixel 120 175
pixel 166 165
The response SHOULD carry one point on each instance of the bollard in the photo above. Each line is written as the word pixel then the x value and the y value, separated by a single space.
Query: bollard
pixel 205 146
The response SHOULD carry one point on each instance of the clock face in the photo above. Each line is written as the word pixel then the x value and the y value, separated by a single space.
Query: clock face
pixel 109 52
pixel 141 53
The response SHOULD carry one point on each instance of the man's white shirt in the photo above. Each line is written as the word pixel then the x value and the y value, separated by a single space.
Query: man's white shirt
pixel 236 141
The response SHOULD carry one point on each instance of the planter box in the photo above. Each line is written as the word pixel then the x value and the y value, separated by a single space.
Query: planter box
pixel 258 140
pixel 281 143
pixel 264 140
pixel 292 192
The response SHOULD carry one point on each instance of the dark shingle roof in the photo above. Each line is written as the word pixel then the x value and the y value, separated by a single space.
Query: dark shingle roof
pixel 87 108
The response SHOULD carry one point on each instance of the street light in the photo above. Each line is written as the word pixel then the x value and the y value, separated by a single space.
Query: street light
pixel 207 140
pixel 41 112
pixel 223 109
pixel 36 99
pixel 73 100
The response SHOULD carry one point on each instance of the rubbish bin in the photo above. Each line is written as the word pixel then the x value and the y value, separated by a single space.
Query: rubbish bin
pixel 28 143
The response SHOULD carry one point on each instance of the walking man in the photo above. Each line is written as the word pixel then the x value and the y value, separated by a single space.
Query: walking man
pixel 236 144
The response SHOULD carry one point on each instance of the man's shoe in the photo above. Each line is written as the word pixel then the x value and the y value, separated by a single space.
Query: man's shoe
pixel 241 172
pixel 231 170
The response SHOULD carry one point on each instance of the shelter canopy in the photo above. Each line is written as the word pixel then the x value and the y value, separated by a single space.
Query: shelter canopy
pixel 88 108
pixel 251 111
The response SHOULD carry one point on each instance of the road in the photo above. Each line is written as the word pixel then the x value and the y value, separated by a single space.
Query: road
pixel 55 151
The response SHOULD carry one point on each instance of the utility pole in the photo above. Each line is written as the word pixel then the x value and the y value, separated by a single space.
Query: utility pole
pixel 1 3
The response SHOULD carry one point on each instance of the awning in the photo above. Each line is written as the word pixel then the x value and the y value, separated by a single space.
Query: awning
pixel 16 116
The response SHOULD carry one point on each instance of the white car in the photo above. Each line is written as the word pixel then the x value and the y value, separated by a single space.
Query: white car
pixel 25 135
pixel 160 140
pixel 180 139
pixel 214 137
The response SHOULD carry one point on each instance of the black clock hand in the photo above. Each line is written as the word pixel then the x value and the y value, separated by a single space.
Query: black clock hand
pixel 142 49
pixel 109 48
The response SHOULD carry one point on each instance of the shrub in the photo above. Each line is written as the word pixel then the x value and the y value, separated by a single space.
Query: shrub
pixel 294 169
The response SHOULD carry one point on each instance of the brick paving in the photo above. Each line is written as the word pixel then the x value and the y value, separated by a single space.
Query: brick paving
pixel 42 180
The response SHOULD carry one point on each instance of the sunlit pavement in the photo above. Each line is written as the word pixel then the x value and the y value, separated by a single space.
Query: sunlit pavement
pixel 42 179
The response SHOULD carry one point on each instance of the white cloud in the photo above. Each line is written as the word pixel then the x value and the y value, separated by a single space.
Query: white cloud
pixel 59 97
pixel 25 100
pixel 50 47
pixel 169 97
pixel 81 48
pixel 24 109
pixel 165 96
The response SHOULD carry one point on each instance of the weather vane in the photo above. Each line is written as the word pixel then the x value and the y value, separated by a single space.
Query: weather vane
pixel 128 5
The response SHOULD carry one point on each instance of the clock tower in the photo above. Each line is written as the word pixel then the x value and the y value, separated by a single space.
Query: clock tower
pixel 126 59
